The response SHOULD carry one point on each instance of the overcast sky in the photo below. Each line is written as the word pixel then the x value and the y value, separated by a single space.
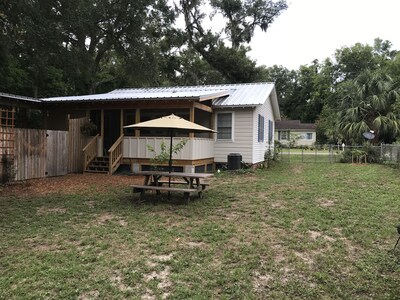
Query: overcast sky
pixel 314 29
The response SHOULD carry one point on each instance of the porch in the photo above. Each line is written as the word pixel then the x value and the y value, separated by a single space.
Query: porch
pixel 196 156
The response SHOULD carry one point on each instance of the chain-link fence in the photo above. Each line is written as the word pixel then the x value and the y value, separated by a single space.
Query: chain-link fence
pixel 385 153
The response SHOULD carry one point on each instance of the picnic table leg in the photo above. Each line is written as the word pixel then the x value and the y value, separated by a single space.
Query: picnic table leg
pixel 199 188
pixel 187 197
pixel 141 195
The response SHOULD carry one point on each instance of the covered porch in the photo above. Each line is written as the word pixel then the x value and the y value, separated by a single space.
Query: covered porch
pixel 115 145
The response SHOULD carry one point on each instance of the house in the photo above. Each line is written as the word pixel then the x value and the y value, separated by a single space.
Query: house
pixel 295 133
pixel 242 114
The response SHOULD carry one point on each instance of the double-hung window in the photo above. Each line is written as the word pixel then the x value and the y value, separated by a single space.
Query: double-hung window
pixel 260 128
pixel 283 135
pixel 270 131
pixel 224 126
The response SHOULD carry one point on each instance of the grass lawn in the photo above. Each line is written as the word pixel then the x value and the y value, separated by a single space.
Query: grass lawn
pixel 294 231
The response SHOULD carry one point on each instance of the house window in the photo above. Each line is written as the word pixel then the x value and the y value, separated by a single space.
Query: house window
pixel 270 131
pixel 260 128
pixel 308 136
pixel 283 135
pixel 224 126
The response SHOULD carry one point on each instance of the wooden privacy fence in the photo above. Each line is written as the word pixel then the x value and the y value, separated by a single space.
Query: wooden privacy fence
pixel 76 142
pixel 40 153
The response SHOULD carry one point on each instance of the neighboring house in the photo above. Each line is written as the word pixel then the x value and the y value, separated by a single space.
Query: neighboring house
pixel 242 114
pixel 295 133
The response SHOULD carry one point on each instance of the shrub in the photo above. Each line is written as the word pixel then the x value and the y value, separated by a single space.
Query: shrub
pixel 8 173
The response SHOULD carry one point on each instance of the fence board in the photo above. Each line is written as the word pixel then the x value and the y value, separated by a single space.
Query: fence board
pixel 76 142
pixel 40 153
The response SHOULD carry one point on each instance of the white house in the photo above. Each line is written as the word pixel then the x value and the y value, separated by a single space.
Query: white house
pixel 242 114
pixel 295 133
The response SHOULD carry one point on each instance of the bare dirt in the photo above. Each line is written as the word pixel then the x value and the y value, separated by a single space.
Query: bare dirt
pixel 68 184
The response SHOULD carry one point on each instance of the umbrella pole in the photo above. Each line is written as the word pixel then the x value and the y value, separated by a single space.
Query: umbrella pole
pixel 170 158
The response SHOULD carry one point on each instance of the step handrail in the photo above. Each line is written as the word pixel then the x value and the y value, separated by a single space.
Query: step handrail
pixel 89 152
pixel 115 155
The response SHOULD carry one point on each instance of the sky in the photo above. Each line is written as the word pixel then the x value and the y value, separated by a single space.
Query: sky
pixel 314 29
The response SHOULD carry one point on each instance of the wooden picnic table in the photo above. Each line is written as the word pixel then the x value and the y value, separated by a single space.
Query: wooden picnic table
pixel 188 183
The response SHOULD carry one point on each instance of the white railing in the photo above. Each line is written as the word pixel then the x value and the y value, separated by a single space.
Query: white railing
pixel 195 148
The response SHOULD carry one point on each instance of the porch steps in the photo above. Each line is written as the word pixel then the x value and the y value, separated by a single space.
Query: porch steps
pixel 98 165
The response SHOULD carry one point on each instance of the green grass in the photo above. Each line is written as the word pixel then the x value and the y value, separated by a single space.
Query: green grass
pixel 293 231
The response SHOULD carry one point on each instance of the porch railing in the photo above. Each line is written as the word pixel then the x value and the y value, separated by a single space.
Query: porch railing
pixel 115 155
pixel 90 152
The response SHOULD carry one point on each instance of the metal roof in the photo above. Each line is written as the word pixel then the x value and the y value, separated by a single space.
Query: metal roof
pixel 145 94
pixel 222 95
pixel 226 94
pixel 17 97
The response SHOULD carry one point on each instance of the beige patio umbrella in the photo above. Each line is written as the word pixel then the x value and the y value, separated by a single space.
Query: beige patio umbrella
pixel 171 123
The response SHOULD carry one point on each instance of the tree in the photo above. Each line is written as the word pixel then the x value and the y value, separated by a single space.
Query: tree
pixel 77 46
pixel 242 18
pixel 369 106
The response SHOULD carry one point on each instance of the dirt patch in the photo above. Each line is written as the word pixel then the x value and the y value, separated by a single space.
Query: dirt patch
pixel 196 244
pixel 162 276
pixel 316 234
pixel 107 218
pixel 118 281
pixel 89 295
pixel 69 184
pixel 43 210
pixel 261 281
pixel 323 202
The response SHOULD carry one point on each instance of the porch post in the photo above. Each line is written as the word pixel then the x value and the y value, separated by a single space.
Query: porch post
pixel 191 114
pixel 100 145
pixel 121 118
pixel 102 122
pixel 137 120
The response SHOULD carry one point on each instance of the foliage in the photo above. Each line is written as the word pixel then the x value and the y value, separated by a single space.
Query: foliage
pixel 29 118
pixel 89 129
pixel 162 157
pixel 241 17
pixel 69 47
pixel 368 106
pixel 8 172
pixel 244 16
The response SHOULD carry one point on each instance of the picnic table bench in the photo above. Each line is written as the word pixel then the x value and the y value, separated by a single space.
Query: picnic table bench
pixel 188 183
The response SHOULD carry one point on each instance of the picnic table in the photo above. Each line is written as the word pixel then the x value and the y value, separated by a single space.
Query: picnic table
pixel 188 183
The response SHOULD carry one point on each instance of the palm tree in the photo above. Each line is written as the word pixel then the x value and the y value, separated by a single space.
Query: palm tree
pixel 369 106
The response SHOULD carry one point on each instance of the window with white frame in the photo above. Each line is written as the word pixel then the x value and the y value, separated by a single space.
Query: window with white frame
pixel 260 128
pixel 270 131
pixel 224 126
pixel 283 135
pixel 306 136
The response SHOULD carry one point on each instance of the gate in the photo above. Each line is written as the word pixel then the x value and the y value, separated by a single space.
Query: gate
pixel 40 153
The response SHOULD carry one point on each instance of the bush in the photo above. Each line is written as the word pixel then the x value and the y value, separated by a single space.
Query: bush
pixel 8 173
pixel 89 129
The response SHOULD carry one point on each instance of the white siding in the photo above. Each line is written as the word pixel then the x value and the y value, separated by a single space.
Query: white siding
pixel 259 148
pixel 242 137
pixel 196 148
pixel 295 135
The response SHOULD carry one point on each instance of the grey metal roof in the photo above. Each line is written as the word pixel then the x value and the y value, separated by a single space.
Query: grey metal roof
pixel 228 94
pixel 223 95
pixel 144 94
pixel 18 97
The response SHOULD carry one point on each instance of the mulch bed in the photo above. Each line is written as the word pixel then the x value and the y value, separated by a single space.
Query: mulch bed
pixel 68 184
